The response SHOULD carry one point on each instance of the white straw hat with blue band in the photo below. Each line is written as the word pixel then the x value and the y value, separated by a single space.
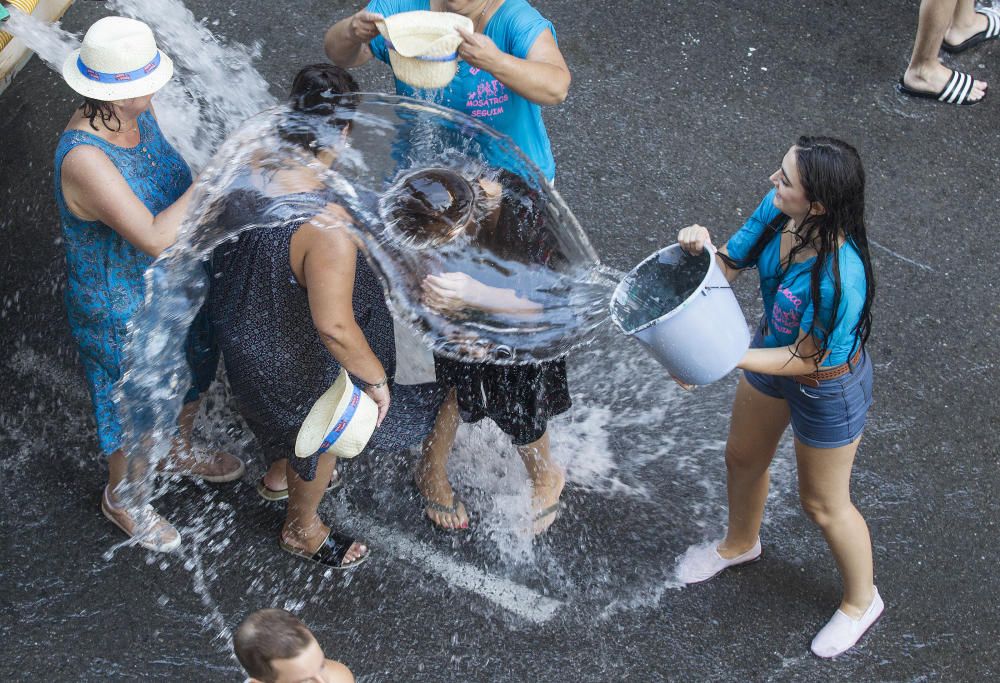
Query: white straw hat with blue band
pixel 118 60
pixel 423 46
pixel 341 422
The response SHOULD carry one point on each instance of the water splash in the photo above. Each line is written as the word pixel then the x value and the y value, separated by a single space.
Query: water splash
pixel 615 394
pixel 215 87
pixel 52 44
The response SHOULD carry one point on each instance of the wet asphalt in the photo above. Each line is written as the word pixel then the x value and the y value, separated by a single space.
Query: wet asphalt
pixel 677 114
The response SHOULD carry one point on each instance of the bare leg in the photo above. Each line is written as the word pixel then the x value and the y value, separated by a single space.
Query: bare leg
pixel 117 469
pixel 303 528
pixel 275 478
pixel 432 470
pixel 547 480
pixel 756 426
pixel 925 71
pixel 824 489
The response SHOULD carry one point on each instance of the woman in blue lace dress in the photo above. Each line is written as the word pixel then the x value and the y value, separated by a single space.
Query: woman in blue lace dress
pixel 122 191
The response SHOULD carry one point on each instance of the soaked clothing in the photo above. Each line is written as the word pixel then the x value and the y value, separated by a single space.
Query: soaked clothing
pixel 828 416
pixel 105 286
pixel 788 304
pixel 521 398
pixel 275 360
pixel 514 27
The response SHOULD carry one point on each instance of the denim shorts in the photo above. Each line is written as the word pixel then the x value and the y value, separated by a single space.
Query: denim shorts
pixel 830 415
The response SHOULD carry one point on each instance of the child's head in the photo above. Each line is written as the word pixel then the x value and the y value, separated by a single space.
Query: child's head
pixel 276 647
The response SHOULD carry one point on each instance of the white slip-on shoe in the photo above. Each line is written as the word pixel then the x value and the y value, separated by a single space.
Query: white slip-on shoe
pixel 842 632
pixel 702 562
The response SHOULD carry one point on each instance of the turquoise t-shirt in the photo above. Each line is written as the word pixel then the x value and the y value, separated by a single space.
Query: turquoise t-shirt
pixel 514 28
pixel 788 304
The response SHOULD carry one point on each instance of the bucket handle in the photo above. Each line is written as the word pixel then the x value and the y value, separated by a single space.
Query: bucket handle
pixel 704 290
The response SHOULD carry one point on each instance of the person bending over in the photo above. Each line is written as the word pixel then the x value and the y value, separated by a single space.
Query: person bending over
pixel 439 206
pixel 292 302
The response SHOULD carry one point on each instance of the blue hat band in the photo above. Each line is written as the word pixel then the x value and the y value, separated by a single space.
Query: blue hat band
pixel 123 77
pixel 341 426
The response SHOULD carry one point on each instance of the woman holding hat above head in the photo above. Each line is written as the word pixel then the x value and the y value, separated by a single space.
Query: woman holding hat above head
pixel 510 64
pixel 122 191
pixel 808 367
pixel 294 303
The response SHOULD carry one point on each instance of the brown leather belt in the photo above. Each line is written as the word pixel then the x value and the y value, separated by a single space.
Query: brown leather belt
pixel 814 378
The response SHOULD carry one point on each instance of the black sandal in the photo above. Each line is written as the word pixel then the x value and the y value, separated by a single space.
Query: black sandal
pixel 991 32
pixel 331 552
pixel 275 495
pixel 955 91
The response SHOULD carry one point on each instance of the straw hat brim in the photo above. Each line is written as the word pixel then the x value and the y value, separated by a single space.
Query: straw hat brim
pixel 423 46
pixel 325 414
pixel 424 33
pixel 109 92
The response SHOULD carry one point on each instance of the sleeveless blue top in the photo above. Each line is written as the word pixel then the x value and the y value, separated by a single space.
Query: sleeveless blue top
pixel 104 287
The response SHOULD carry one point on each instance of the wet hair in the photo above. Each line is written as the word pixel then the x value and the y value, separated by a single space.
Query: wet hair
pixel 832 175
pixel 266 635
pixel 429 207
pixel 93 109
pixel 322 90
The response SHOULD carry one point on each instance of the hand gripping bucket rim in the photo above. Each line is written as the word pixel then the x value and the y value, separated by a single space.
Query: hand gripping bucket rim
pixel 703 337
pixel 620 289
pixel 341 422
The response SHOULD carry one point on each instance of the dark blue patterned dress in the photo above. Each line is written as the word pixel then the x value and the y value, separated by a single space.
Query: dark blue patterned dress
pixel 104 287
pixel 276 363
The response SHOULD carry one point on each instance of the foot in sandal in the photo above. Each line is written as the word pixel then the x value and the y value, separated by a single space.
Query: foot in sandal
pixel 546 489
pixel 441 505
pixel 943 85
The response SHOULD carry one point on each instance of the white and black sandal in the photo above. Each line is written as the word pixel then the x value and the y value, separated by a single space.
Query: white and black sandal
pixel 991 32
pixel 956 91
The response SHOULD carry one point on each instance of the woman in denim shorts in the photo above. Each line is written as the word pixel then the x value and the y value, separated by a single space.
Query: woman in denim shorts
pixel 807 366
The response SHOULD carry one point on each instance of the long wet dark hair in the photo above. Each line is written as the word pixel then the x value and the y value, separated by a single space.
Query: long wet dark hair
pixel 833 176
pixel 92 109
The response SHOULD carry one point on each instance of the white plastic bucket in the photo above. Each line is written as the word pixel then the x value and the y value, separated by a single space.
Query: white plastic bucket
pixel 700 340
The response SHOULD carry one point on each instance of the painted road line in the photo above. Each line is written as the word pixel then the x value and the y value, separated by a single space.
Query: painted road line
pixel 516 598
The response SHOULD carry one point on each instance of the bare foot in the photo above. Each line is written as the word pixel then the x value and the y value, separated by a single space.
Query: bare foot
pixel 310 539
pixel 933 79
pixel 145 524
pixel 547 487
pixel 442 508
